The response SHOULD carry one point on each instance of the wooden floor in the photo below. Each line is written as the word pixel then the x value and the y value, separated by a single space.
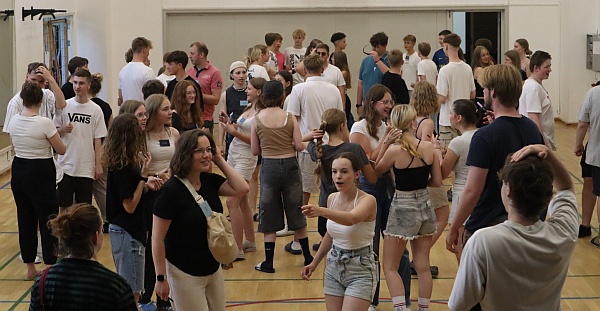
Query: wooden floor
pixel 249 290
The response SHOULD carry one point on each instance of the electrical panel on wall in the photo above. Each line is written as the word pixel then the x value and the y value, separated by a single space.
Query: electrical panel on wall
pixel 593 52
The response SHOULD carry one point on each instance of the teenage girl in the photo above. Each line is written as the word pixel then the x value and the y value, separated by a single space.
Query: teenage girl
pixel 340 60
pixel 187 111
pixel 255 59
pixel 522 47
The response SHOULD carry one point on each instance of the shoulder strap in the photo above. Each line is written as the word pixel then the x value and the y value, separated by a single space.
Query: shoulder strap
pixel 199 200
pixel 42 286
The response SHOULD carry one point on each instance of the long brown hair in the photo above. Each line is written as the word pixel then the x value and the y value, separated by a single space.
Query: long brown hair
pixel 341 61
pixel 124 143
pixel 153 103
pixel 375 94
pixel 183 108
pixel 332 119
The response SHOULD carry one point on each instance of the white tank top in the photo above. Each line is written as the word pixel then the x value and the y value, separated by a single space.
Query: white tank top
pixel 237 145
pixel 351 237
pixel 161 152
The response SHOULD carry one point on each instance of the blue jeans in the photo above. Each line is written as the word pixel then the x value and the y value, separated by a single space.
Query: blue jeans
pixel 381 190
pixel 129 256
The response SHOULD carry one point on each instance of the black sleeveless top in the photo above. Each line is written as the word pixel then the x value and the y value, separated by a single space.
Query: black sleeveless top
pixel 412 178
pixel 232 101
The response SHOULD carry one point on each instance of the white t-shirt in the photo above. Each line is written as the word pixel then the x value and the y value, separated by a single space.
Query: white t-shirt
pixel 294 56
pixel 273 62
pixel 165 79
pixel 88 124
pixel 427 68
pixel 514 267
pixel 460 147
pixel 15 106
pixel 258 71
pixel 361 127
pixel 590 113
pixel 409 69
pixel 310 99
pixel 333 75
pixel 455 81
pixel 29 136
pixel 131 79
pixel 534 98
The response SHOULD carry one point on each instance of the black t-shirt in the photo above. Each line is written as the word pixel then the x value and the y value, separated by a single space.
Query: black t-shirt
pixel 121 185
pixel 329 153
pixel 186 244
pixel 106 110
pixel 68 90
pixel 176 123
pixel 396 84
pixel 489 148
pixel 173 83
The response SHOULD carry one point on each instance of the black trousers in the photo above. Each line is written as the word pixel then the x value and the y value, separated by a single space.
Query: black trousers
pixel 81 187
pixel 33 185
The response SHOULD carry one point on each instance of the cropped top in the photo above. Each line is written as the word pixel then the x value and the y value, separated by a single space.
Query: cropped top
pixel 412 178
pixel 276 141
pixel 351 237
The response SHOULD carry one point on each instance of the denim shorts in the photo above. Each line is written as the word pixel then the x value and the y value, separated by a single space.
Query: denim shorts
pixel 351 273
pixel 280 190
pixel 129 257
pixel 411 215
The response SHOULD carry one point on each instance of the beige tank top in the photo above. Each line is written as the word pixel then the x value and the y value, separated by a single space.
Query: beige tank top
pixel 276 141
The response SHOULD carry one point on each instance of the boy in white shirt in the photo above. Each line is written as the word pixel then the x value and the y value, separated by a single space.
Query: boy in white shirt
pixel 411 60
pixel 426 68
pixel 295 54
pixel 81 127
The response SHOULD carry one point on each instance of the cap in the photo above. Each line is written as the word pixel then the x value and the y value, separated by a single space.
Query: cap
pixel 272 89
pixel 236 64
pixel 337 36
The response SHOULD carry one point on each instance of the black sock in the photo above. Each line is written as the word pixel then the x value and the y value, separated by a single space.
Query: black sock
pixel 269 253
pixel 308 258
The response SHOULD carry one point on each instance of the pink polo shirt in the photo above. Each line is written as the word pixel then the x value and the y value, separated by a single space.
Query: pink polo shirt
pixel 209 78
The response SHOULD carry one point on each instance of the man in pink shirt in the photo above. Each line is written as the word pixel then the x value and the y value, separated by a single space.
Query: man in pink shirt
pixel 209 78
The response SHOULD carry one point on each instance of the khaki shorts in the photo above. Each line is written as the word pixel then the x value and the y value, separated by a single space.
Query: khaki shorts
pixel 309 179
pixel 437 196
pixel 446 135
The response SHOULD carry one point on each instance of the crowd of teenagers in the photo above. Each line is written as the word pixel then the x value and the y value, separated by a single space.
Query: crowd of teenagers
pixel 287 121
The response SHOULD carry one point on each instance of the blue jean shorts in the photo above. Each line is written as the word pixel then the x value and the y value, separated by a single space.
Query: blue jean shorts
pixel 280 190
pixel 351 273
pixel 411 215
pixel 129 257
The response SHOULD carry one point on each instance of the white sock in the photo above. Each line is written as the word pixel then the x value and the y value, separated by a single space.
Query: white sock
pixel 296 246
pixel 399 303
pixel 423 304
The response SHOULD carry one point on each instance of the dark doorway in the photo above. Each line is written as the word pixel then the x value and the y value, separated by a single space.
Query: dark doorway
pixel 483 25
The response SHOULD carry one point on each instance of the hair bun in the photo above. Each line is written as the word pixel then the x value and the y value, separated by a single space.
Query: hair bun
pixel 98 76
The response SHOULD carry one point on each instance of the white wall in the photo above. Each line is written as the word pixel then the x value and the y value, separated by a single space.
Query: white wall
pixel 106 28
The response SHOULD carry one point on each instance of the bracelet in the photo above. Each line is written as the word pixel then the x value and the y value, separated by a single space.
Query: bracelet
pixel 145 179
pixel 377 61
pixel 359 105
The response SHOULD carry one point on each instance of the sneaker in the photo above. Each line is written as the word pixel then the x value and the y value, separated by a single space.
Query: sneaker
pixel 584 231
pixel 372 308
pixel 316 246
pixel 435 271
pixel 596 241
pixel 147 306
pixel 38 259
pixel 248 246
pixel 284 232
pixel 288 248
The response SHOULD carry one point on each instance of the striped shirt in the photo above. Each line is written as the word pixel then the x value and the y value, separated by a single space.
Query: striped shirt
pixel 15 106
pixel 80 284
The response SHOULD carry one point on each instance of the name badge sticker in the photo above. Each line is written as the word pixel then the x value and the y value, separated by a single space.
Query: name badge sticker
pixel 206 208
pixel 164 143
pixel 243 103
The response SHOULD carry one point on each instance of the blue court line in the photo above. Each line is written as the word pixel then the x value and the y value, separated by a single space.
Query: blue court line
pixel 4 186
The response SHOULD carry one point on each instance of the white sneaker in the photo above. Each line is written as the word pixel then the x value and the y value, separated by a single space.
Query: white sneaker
pixel 372 308
pixel 284 232
pixel 248 246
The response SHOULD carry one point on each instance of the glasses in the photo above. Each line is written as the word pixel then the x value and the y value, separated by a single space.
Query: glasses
pixel 385 102
pixel 141 115
pixel 204 150
pixel 322 53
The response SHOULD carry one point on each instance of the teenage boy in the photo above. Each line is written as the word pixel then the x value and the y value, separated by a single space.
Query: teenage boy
pixel 535 102
pixel 74 64
pixel 372 68
pixel 52 100
pixel 133 76
pixel 439 57
pixel 81 127
pixel 210 80
pixel 273 41
pixel 295 54
pixel 411 60
pixel 339 43
pixel 331 73
pixel 176 63
pixel 426 68
pixel 393 80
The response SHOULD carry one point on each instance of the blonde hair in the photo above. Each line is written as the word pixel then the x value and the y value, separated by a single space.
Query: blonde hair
pixel 424 98
pixel 254 53
pixel 506 82
pixel 331 121
pixel 402 118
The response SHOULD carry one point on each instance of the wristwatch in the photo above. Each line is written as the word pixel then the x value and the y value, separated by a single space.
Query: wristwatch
pixel 160 278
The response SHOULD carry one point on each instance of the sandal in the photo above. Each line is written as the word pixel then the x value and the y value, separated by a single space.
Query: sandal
pixel 595 241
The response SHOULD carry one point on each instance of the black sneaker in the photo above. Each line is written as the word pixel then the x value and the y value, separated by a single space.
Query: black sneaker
pixel 316 246
pixel 584 231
